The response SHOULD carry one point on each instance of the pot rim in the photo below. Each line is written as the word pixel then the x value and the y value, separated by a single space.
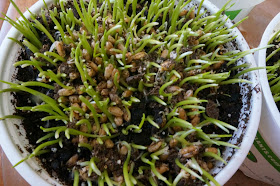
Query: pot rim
pixel 270 119
pixel 269 31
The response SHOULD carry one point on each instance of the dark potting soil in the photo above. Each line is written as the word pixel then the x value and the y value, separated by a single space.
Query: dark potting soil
pixel 225 104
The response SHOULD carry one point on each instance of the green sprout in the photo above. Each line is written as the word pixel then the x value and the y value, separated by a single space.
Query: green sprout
pixel 272 67
pixel 165 55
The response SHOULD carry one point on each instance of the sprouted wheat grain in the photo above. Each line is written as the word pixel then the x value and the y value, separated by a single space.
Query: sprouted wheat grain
pixel 107 62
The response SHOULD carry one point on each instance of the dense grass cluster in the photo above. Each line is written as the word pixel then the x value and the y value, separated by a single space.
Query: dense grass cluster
pixel 273 67
pixel 121 54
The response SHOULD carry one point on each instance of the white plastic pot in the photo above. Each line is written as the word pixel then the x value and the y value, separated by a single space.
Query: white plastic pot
pixel 264 161
pixel 31 170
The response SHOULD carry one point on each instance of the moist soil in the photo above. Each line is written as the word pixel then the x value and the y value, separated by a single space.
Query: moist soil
pixel 225 104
